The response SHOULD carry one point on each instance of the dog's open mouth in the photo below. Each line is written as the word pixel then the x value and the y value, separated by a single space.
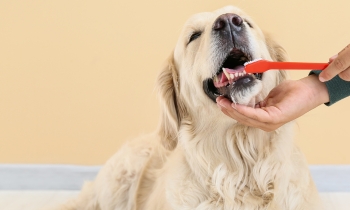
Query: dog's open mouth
pixel 230 73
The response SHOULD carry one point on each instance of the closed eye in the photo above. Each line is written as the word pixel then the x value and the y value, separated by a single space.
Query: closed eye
pixel 249 24
pixel 194 36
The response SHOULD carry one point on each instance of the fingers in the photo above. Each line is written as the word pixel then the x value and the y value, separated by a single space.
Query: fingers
pixel 345 49
pixel 345 75
pixel 247 115
pixel 331 59
pixel 338 65
pixel 244 111
pixel 265 115
pixel 224 102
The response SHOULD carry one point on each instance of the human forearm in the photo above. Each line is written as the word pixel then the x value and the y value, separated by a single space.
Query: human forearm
pixel 318 90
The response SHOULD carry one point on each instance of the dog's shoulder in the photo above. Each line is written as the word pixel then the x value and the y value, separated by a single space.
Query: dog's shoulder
pixel 119 178
pixel 117 183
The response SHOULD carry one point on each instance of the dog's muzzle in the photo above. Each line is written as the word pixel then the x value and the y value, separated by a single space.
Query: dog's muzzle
pixel 230 35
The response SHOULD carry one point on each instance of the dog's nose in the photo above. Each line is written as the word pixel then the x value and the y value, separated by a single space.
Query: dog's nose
pixel 227 21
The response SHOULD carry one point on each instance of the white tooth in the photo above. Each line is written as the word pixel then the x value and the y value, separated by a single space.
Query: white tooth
pixel 240 74
pixel 232 76
pixel 244 72
pixel 236 74
pixel 225 72
pixel 216 79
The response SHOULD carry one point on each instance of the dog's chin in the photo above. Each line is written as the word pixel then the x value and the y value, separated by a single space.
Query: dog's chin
pixel 246 94
pixel 245 90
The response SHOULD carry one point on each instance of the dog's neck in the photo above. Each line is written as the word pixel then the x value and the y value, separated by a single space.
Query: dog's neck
pixel 235 155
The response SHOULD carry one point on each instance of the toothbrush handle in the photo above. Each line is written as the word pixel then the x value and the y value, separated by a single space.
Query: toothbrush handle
pixel 297 65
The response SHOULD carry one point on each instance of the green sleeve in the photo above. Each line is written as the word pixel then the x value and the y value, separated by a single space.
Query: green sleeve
pixel 337 88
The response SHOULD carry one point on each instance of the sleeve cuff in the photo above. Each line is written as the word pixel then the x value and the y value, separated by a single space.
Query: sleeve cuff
pixel 337 88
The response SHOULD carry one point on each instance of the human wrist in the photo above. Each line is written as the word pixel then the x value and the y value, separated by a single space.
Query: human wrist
pixel 318 89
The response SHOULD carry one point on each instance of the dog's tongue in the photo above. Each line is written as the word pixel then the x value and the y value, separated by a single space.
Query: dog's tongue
pixel 222 79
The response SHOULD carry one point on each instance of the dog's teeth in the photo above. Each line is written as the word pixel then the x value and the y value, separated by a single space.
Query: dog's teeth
pixel 216 80
pixel 236 74
pixel 244 72
pixel 226 73
pixel 232 76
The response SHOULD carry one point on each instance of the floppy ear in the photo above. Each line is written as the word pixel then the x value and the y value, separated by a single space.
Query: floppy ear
pixel 277 53
pixel 172 109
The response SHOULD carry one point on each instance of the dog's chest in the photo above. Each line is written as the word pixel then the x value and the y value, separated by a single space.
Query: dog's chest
pixel 188 192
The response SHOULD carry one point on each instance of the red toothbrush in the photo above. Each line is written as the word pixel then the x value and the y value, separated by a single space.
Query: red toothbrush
pixel 260 65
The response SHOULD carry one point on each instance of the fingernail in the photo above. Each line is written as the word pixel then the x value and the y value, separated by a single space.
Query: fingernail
pixel 332 58
pixel 322 79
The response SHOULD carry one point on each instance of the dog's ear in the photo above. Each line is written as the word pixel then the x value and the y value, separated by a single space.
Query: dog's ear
pixel 277 53
pixel 172 109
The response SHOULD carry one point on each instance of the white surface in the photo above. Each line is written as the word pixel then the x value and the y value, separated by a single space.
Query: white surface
pixel 34 200
pixel 37 200
pixel 336 201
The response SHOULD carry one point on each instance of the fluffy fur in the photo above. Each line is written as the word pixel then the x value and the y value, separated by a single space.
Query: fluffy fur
pixel 199 158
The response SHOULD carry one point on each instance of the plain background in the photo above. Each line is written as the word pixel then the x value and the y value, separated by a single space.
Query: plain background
pixel 77 77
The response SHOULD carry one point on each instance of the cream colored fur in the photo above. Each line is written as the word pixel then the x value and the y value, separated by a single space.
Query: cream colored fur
pixel 199 158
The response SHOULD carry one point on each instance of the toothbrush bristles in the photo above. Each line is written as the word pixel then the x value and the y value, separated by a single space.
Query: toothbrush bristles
pixel 249 62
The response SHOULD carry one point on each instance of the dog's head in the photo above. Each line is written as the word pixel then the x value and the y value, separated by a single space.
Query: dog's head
pixel 208 62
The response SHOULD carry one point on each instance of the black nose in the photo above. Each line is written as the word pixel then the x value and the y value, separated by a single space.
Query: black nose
pixel 228 21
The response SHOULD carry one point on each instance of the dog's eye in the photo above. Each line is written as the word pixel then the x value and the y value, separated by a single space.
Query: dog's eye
pixel 194 36
pixel 248 23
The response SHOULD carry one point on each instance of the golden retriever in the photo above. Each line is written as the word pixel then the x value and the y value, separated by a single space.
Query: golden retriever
pixel 199 158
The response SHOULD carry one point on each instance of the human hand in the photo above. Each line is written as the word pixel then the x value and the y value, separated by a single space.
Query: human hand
pixel 285 102
pixel 339 65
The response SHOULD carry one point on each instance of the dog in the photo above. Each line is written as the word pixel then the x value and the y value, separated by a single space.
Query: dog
pixel 198 158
